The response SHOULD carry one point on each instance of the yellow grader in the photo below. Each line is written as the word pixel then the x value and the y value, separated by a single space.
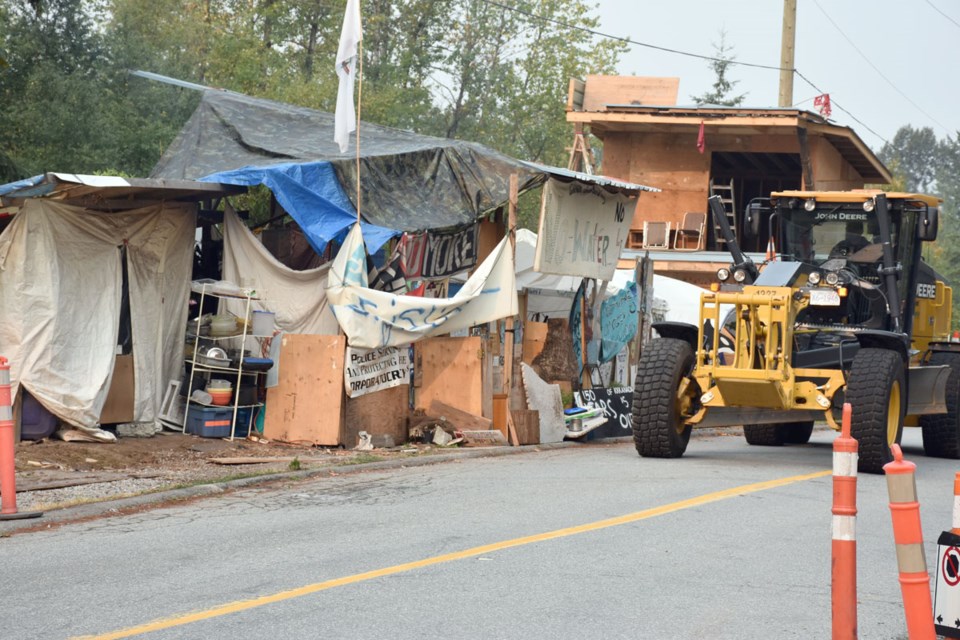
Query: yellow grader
pixel 849 313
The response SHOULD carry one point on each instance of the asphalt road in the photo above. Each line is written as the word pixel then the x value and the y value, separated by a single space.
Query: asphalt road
pixel 583 542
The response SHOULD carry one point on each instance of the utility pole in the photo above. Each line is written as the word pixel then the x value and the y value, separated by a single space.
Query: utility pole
pixel 787 41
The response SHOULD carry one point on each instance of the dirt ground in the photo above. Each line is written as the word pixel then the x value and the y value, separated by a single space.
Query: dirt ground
pixel 180 458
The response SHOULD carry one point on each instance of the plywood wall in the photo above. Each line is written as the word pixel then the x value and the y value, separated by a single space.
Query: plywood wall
pixel 449 370
pixel 306 406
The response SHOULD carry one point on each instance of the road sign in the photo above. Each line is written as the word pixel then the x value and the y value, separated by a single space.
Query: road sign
pixel 946 601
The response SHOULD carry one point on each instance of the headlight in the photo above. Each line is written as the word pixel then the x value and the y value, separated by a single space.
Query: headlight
pixel 868 205
pixel 810 205
pixel 832 279
pixel 739 275
pixel 723 274
pixel 814 278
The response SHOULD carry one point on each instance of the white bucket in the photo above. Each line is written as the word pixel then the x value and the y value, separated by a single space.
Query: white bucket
pixel 263 323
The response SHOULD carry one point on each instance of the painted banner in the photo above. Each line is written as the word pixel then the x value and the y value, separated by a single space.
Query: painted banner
pixel 582 230
pixel 618 321
pixel 372 319
pixel 369 370
pixel 615 403
pixel 450 252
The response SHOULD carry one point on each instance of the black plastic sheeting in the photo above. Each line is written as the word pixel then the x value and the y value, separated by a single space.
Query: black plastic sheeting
pixel 408 181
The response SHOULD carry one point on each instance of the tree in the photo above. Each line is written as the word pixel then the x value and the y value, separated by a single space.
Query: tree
pixel 722 86
pixel 917 155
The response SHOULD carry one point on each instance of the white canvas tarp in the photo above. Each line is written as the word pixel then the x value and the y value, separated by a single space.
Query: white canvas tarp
pixel 60 295
pixel 298 298
pixel 374 319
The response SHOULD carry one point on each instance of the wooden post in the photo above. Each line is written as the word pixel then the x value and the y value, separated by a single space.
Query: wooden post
pixel 508 329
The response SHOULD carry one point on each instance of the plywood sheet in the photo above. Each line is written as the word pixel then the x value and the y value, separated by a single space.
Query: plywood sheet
pixel 449 370
pixel 603 90
pixel 306 406
pixel 382 412
pixel 534 337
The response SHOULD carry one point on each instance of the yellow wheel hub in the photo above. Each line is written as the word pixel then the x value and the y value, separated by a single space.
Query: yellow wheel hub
pixel 893 413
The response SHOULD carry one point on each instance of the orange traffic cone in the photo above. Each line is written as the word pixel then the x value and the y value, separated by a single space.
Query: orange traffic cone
pixel 771 250
pixel 844 546
pixel 908 536
pixel 8 480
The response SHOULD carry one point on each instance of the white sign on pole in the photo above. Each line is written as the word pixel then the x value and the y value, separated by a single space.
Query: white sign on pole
pixel 582 230
pixel 369 370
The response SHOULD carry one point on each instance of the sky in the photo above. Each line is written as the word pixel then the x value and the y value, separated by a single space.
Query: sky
pixel 915 49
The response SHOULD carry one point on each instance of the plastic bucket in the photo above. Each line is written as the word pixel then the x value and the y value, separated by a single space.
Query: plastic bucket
pixel 263 323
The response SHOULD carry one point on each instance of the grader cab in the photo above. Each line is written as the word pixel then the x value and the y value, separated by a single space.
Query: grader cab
pixel 848 312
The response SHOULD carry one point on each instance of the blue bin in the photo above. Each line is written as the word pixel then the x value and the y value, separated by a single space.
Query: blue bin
pixel 214 422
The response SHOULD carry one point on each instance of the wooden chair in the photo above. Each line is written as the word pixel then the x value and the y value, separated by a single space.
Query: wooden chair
pixel 690 228
pixel 656 235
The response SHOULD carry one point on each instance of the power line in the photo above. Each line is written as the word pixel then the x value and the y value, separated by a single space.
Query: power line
pixel 575 27
pixel 935 8
pixel 837 105
pixel 600 34
pixel 875 68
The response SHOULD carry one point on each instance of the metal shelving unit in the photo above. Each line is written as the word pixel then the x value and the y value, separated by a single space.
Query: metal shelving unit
pixel 236 373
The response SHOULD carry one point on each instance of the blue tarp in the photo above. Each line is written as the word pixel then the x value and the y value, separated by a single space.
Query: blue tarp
pixel 20 184
pixel 311 193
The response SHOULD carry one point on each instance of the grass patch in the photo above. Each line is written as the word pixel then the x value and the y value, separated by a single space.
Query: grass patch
pixel 363 458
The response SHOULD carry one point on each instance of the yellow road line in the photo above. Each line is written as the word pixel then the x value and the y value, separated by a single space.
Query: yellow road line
pixel 243 605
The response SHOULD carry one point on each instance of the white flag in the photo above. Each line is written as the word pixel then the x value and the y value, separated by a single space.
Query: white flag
pixel 345 119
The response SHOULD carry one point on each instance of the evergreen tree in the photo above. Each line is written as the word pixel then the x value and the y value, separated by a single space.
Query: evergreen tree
pixel 722 85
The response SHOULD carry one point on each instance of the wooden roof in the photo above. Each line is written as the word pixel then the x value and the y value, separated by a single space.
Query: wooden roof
pixel 741 121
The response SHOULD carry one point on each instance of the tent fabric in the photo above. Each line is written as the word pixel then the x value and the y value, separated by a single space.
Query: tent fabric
pixel 409 182
pixel 373 319
pixel 298 298
pixel 311 194
pixel 60 299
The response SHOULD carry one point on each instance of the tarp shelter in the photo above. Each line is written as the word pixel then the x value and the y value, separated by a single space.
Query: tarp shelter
pixel 64 284
pixel 408 181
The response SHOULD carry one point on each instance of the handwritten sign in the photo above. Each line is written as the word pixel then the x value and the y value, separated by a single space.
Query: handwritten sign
pixel 369 370
pixel 618 321
pixel 615 403
pixel 582 230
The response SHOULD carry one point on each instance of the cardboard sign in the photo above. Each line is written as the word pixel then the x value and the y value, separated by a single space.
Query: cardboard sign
pixel 369 370
pixel 582 230
pixel 616 406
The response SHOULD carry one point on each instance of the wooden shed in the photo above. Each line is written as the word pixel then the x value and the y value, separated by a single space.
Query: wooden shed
pixel 692 152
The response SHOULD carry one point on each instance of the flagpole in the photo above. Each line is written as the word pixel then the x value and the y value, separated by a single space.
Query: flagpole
pixel 359 102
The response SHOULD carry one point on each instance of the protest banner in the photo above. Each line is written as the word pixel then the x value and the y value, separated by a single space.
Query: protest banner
pixel 369 370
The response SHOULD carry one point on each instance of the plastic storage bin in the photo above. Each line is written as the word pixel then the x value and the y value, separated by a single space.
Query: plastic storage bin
pixel 36 423
pixel 214 422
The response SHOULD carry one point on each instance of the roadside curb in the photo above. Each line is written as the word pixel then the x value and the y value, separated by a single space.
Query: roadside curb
pixel 132 504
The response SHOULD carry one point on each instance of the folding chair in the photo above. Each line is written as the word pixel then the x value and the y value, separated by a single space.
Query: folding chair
pixel 691 227
pixel 656 235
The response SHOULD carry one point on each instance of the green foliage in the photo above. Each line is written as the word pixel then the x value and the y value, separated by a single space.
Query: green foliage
pixel 722 86
pixel 455 68
pixel 294 464
pixel 923 163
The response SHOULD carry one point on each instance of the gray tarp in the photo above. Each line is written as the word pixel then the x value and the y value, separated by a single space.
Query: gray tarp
pixel 408 181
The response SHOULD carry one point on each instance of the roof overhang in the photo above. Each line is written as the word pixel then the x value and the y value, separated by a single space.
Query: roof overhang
pixel 111 193
pixel 619 118
pixel 612 185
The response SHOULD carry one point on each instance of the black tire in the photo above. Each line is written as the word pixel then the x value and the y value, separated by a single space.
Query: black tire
pixel 778 433
pixel 764 435
pixel 941 432
pixel 657 419
pixel 798 432
pixel 877 394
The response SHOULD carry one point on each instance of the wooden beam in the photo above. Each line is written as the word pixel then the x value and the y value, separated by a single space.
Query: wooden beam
pixel 508 334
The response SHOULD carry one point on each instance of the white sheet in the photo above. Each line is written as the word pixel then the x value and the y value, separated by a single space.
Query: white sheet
pixel 299 298
pixel 374 319
pixel 60 293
